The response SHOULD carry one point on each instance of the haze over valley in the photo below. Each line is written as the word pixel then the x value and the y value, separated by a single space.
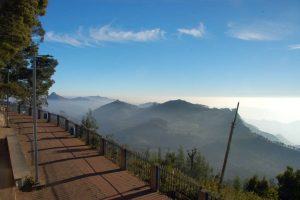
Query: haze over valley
pixel 176 123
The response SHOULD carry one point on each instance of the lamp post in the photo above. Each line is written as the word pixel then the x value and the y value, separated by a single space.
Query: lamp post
pixel 7 100
pixel 34 119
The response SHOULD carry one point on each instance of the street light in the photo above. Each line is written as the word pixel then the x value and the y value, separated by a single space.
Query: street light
pixel 34 119
pixel 7 100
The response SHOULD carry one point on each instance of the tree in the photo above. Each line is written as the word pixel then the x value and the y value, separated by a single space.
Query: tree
pixel 289 184
pixel 191 155
pixel 261 187
pixel 89 121
pixel 201 170
pixel 180 159
pixel 170 159
pixel 197 166
pixel 20 76
pixel 237 183
pixel 19 21
pixel 159 156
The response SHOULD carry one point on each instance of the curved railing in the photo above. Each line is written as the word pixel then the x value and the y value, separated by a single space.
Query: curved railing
pixel 167 180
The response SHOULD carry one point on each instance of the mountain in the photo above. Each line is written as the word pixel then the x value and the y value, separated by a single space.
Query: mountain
pixel 98 98
pixel 284 140
pixel 266 135
pixel 74 108
pixel 174 123
pixel 54 96
pixel 79 99
pixel 147 105
pixel 110 113
pixel 290 131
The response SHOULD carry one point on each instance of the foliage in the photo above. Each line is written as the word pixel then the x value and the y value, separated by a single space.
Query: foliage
pixel 237 183
pixel 19 21
pixel 89 121
pixel 197 166
pixel 226 192
pixel 28 183
pixel 139 166
pixel 180 159
pixel 19 74
pixel 289 184
pixel 261 187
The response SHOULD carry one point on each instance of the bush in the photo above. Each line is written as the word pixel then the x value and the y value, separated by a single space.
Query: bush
pixel 28 183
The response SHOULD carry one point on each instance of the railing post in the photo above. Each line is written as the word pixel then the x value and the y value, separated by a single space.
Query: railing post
pixel 87 136
pixel 155 177
pixel 203 195
pixel 93 139
pixel 57 120
pixel 29 111
pixel 66 124
pixel 76 130
pixel 49 117
pixel 39 114
pixel 123 159
pixel 102 147
pixel 19 108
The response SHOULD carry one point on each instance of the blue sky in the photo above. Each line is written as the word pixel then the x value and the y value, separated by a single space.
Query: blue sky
pixel 174 47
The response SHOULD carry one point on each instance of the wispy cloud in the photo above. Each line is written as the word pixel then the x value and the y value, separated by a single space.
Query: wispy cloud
pixel 197 32
pixel 294 46
pixel 74 40
pixel 96 36
pixel 109 34
pixel 259 31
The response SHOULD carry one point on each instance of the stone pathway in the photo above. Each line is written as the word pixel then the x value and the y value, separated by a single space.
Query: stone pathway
pixel 71 170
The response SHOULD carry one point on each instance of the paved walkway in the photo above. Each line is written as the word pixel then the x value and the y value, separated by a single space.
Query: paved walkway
pixel 71 170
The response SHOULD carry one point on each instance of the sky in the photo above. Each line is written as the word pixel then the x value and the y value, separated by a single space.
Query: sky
pixel 156 50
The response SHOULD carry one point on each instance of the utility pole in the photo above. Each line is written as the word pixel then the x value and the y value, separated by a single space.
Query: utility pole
pixel 34 119
pixel 228 145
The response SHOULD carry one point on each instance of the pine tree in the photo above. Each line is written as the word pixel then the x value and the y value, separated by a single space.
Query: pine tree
pixel 19 21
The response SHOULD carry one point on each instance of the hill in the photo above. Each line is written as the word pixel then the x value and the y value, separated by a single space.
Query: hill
pixel 178 122
pixel 74 108
pixel 288 130
pixel 54 96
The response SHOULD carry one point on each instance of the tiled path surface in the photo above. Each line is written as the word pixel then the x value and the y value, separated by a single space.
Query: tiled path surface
pixel 71 170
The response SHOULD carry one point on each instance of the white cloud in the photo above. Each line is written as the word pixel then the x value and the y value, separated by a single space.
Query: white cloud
pixel 75 41
pixel 197 32
pixel 294 46
pixel 108 34
pixel 96 36
pixel 259 31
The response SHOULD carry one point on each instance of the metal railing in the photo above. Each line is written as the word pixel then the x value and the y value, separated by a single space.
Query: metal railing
pixel 177 185
pixel 139 166
pixel 165 179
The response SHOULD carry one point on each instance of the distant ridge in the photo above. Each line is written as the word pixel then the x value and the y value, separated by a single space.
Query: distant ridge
pixel 180 123
pixel 180 106
pixel 74 107
pixel 54 96
pixel 147 105
pixel 80 99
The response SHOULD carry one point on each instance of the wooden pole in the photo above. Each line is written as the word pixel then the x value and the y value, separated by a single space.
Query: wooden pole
pixel 228 145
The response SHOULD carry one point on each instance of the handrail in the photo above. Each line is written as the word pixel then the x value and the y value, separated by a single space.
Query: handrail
pixel 169 181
